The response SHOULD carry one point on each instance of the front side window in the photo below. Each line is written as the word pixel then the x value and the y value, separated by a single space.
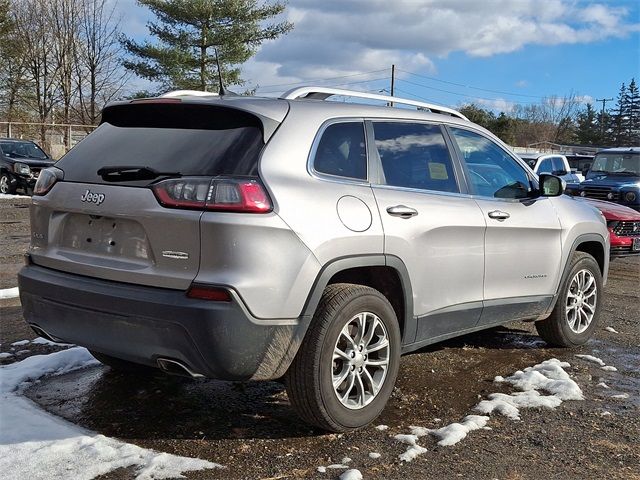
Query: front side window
pixel 558 165
pixel 341 151
pixel 617 163
pixel 492 171
pixel 414 155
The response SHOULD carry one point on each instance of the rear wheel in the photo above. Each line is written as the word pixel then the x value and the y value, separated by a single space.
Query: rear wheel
pixel 346 367
pixel 575 315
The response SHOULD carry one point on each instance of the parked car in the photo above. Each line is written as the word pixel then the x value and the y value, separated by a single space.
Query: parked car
pixel 20 164
pixel 551 163
pixel 247 238
pixel 580 164
pixel 614 176
pixel 624 227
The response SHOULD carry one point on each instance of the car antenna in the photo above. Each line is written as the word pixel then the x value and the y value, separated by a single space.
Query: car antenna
pixel 223 91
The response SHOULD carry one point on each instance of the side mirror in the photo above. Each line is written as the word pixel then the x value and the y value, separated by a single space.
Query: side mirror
pixel 550 185
pixel 586 169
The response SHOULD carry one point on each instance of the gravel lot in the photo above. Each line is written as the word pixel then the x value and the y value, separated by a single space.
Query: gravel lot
pixel 251 429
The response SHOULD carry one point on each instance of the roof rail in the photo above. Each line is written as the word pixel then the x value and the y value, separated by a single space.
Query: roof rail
pixel 322 93
pixel 189 93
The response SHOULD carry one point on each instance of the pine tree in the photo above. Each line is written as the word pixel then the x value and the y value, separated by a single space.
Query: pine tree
pixel 631 121
pixel 588 132
pixel 618 118
pixel 188 33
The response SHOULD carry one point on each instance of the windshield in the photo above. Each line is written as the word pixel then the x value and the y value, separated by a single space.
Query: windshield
pixel 23 150
pixel 617 163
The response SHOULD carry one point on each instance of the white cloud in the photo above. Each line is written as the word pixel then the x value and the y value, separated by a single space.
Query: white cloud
pixel 334 37
pixel 522 84
pixel 499 104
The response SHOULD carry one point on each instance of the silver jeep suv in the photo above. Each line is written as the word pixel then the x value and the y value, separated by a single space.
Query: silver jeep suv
pixel 246 238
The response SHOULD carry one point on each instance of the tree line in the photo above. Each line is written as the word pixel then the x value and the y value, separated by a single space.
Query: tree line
pixel 566 121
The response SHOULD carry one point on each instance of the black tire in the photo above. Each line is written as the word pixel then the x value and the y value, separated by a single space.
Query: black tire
pixel 309 378
pixel 123 366
pixel 555 329
pixel 5 184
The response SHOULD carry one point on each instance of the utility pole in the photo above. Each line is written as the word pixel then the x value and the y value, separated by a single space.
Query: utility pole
pixel 604 102
pixel 393 80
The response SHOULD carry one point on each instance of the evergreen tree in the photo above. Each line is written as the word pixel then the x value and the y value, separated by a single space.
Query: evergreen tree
pixel 617 135
pixel 631 121
pixel 588 132
pixel 189 31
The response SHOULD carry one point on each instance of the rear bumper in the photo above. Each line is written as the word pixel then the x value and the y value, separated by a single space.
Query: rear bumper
pixel 141 324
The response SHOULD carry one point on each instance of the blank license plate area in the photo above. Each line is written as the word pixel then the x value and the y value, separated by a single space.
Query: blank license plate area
pixel 120 238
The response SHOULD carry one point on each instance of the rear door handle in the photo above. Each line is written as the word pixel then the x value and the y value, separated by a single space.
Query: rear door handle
pixel 499 215
pixel 402 211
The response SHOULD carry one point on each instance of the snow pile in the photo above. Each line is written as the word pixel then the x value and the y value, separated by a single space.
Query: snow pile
pixel 353 474
pixel 4 355
pixel 35 444
pixel 548 376
pixel 9 293
pixel 611 329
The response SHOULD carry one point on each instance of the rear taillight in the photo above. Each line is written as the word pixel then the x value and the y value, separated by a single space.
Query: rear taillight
pixel 46 180
pixel 217 194
pixel 206 292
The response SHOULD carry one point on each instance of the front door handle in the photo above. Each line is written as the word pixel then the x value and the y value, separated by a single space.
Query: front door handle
pixel 499 215
pixel 402 211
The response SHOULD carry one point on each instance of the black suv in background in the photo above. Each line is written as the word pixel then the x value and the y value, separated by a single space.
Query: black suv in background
pixel 20 164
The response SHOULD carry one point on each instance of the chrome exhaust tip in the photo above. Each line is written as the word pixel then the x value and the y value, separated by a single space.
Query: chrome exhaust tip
pixel 174 367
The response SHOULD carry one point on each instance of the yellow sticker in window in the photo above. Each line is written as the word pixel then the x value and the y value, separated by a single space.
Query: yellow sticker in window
pixel 438 171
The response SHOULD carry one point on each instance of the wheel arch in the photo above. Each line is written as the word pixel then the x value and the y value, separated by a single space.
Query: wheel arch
pixel 386 273
pixel 590 243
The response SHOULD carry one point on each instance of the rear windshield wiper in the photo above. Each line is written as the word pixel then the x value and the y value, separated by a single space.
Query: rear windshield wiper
pixel 130 173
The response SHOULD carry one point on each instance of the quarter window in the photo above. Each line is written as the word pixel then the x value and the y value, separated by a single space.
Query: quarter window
pixel 492 171
pixel 414 155
pixel 341 151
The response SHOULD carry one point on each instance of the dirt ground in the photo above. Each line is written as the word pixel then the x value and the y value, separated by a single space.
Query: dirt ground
pixel 251 429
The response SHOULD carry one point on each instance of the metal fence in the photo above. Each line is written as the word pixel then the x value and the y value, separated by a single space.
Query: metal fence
pixel 55 138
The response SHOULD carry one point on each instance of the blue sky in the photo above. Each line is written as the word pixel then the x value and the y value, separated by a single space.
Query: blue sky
pixel 496 53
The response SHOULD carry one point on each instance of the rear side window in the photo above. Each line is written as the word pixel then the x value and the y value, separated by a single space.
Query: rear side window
pixel 178 138
pixel 546 166
pixel 341 151
pixel 414 155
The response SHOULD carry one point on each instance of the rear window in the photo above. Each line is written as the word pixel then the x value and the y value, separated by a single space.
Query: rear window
pixel 179 138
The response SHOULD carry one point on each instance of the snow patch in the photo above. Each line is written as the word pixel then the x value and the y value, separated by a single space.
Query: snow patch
pixel 44 341
pixel 336 466
pixel 609 368
pixel 611 329
pixel 321 469
pixel 411 453
pixel 591 358
pixel 603 385
pixel 4 355
pixel 509 405
pixel 548 376
pixel 454 432
pixel 374 455
pixel 9 293
pixel 33 441
pixel 382 427
pixel 621 396
pixel 19 343
pixel 605 413
pixel 7 196
pixel 352 474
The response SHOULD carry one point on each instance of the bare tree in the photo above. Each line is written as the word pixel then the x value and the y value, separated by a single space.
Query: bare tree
pixel 99 73
pixel 34 31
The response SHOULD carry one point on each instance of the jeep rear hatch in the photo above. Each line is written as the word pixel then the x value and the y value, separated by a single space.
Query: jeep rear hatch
pixel 129 206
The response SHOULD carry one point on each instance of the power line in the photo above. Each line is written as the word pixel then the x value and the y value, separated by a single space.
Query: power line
pixel 337 84
pixel 501 92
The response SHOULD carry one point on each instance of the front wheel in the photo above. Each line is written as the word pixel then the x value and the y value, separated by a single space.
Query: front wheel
pixel 575 315
pixel 6 187
pixel 345 370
